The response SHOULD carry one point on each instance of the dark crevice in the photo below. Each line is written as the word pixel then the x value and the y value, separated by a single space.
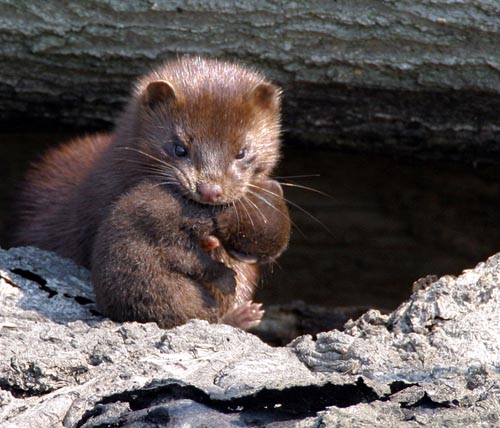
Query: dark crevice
pixel 15 392
pixel 82 300
pixel 20 393
pixel 42 283
pixel 428 403
pixel 303 401
pixel 291 403
pixel 9 281
pixel 98 411
pixel 29 275
pixel 400 385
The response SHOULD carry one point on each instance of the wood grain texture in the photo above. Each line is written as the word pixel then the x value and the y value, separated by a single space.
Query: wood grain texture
pixel 406 74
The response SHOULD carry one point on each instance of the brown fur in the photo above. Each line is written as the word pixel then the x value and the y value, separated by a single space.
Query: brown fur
pixel 126 207
pixel 262 227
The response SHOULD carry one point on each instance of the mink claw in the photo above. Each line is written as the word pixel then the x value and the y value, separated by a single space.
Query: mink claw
pixel 246 316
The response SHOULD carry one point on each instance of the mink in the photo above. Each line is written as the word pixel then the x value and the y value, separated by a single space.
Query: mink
pixel 175 212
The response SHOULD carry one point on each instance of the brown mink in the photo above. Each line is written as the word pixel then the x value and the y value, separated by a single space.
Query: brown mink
pixel 174 212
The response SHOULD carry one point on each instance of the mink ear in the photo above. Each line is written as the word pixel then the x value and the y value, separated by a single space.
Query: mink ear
pixel 157 92
pixel 266 96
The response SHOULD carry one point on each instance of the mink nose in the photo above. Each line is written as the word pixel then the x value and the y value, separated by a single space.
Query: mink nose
pixel 209 193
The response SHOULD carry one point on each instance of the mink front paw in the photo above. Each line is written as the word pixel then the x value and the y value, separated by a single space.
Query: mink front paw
pixel 222 278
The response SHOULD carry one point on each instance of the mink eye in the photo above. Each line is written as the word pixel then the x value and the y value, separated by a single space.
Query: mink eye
pixel 241 154
pixel 180 151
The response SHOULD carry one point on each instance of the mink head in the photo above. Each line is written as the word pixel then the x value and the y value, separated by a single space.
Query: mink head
pixel 210 128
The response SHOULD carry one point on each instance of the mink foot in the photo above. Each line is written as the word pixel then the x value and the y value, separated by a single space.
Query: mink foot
pixel 245 316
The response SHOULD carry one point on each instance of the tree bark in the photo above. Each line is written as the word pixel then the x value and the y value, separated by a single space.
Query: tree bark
pixel 432 362
pixel 398 75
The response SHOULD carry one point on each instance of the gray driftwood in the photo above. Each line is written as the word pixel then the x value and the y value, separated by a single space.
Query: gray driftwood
pixel 432 362
pixel 399 75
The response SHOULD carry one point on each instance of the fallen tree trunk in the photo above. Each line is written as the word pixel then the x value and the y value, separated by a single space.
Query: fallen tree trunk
pixel 432 362
pixel 402 75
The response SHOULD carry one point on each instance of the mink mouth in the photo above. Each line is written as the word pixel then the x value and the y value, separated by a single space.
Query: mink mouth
pixel 210 204
pixel 196 198
pixel 193 197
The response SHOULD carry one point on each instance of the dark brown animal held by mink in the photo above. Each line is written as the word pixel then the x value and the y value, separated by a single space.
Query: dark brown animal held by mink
pixel 175 212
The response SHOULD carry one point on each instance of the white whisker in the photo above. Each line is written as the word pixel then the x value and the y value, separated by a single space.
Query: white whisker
pixel 312 189
pixel 256 208
pixel 246 211
pixel 317 220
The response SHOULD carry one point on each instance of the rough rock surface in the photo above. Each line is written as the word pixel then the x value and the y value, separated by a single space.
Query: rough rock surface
pixel 402 74
pixel 432 362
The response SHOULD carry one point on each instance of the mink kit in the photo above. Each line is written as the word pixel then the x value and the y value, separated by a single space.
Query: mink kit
pixel 175 212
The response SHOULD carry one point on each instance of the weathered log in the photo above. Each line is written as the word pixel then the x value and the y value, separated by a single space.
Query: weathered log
pixel 432 362
pixel 401 75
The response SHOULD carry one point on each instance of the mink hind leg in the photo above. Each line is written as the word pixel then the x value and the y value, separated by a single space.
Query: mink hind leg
pixel 246 315
pixel 239 309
